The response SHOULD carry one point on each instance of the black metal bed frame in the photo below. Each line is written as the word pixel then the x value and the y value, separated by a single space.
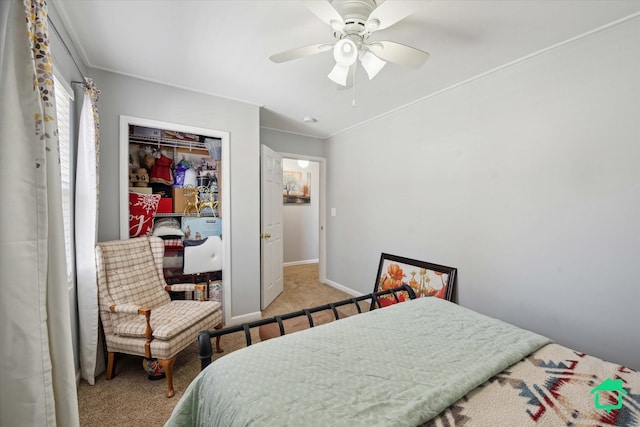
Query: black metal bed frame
pixel 204 337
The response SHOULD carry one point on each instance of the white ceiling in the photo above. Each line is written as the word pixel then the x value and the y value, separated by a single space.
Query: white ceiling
pixel 222 48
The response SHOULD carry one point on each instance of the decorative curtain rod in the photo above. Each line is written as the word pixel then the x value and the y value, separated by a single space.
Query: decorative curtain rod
pixel 67 49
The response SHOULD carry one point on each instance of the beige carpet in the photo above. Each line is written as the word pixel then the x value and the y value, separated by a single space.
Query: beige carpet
pixel 130 399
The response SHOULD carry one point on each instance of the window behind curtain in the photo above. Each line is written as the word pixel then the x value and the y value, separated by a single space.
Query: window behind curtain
pixel 63 110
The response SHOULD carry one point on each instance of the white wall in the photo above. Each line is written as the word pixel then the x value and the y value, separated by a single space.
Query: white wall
pixel 526 179
pixel 284 142
pixel 301 222
pixel 123 95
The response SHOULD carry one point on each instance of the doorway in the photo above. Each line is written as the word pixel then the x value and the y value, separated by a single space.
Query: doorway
pixel 301 214
pixel 304 223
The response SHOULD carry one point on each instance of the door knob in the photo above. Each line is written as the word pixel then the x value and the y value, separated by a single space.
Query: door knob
pixel 265 235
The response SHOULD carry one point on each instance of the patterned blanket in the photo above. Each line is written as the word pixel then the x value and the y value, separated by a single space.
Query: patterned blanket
pixel 554 386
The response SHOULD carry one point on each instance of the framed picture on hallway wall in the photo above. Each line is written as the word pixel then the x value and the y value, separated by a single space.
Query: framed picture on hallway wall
pixel 296 187
pixel 426 279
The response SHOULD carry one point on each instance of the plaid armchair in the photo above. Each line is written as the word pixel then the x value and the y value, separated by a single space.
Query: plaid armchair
pixel 138 316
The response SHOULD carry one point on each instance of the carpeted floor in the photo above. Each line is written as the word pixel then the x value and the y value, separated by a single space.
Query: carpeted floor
pixel 130 399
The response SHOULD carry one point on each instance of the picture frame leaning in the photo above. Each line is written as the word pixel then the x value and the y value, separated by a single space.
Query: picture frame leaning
pixel 425 278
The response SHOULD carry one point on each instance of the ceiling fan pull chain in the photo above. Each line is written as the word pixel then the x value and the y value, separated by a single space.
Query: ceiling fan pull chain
pixel 353 102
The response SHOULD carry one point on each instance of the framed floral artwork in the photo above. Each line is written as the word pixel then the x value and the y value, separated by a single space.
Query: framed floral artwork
pixel 426 279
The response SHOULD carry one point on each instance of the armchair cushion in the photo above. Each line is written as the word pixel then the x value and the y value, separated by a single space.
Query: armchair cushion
pixel 168 320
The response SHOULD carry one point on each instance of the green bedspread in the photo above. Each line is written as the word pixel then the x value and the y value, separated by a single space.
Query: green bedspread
pixel 397 366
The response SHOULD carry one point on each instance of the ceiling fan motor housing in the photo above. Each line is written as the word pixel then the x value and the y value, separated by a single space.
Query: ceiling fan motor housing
pixel 355 14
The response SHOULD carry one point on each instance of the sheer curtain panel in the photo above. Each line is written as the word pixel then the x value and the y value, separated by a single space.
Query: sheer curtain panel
pixel 91 357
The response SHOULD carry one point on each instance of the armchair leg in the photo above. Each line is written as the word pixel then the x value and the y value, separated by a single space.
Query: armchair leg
pixel 218 348
pixel 167 365
pixel 111 364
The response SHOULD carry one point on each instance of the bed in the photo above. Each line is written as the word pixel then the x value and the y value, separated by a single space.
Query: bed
pixel 424 362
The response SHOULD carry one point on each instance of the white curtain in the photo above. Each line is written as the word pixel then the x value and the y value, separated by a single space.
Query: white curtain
pixel 36 355
pixel 86 229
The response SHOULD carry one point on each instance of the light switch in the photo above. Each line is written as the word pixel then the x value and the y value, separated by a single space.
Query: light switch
pixel 333 211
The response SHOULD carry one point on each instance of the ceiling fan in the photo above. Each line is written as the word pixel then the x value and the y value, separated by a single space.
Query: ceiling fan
pixel 352 23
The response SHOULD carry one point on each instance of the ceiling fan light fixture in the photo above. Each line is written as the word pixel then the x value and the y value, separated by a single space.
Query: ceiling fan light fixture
pixel 371 64
pixel 339 74
pixel 345 52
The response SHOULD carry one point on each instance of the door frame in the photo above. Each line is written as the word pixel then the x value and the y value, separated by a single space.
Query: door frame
pixel 322 229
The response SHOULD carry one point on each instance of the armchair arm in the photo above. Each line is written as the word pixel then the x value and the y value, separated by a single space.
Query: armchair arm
pixel 146 312
pixel 187 287
pixel 125 308
pixel 148 333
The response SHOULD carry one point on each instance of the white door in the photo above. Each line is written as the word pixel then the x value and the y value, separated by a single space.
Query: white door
pixel 271 226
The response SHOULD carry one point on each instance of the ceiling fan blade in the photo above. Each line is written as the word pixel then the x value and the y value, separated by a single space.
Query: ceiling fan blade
pixel 325 11
pixel 299 52
pixel 387 14
pixel 399 53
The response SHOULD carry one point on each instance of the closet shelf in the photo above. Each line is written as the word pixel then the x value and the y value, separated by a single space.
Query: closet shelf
pixel 167 142
pixel 190 215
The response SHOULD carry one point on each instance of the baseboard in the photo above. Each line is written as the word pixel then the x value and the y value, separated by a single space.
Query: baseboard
pixel 245 318
pixel 78 376
pixel 304 261
pixel 342 288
